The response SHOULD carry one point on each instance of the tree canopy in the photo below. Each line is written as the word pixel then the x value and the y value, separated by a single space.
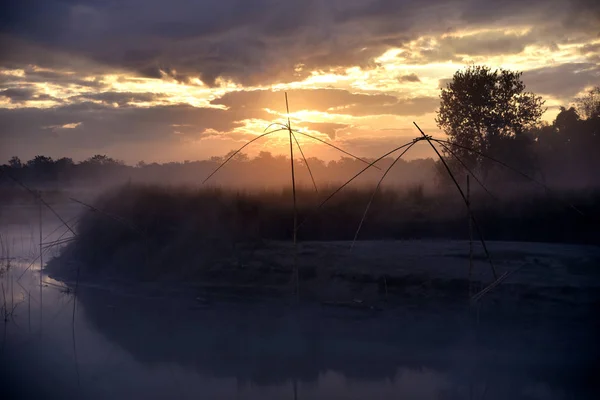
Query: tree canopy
pixel 483 109
pixel 588 106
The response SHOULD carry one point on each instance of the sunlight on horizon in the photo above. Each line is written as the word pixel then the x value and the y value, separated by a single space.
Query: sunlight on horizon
pixel 393 73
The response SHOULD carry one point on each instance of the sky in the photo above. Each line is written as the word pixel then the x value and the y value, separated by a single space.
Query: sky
pixel 182 80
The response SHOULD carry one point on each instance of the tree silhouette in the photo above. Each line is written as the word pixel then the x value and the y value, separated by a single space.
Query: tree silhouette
pixel 589 106
pixel 484 109
pixel 40 162
pixel 566 122
pixel 100 159
pixel 15 162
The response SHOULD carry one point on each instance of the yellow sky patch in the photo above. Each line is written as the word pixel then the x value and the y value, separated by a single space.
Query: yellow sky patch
pixel 384 76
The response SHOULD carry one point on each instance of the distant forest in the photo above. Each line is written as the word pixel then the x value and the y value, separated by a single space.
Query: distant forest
pixel 419 199
pixel 263 171
pixel 484 113
pixel 564 154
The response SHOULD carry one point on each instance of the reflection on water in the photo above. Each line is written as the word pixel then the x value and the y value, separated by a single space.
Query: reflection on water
pixel 127 346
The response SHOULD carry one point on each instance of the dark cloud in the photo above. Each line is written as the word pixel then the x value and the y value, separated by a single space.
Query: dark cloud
pixel 562 81
pixel 90 125
pixel 489 43
pixel 327 100
pixel 17 94
pixel 443 83
pixel 61 78
pixel 300 99
pixel 409 78
pixel 328 128
pixel 264 41
pixel 590 48
pixel 461 48
pixel 23 94
pixel 415 106
pixel 254 42
pixel 119 98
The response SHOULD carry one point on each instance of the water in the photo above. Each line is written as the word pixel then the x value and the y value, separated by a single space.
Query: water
pixel 125 344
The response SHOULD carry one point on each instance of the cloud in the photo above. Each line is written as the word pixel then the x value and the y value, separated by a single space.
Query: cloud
pixel 328 128
pixel 20 95
pixel 403 107
pixel 84 59
pixel 380 143
pixel 59 77
pixel 119 98
pixel 334 101
pixel 562 81
pixel 90 125
pixel 299 99
pixel 409 78
pixel 263 41
pixel 17 94
pixel 443 83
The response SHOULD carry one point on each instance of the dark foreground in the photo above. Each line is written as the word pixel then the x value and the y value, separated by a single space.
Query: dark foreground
pixel 535 337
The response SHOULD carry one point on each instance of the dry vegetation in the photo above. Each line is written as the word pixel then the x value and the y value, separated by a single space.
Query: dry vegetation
pixel 156 232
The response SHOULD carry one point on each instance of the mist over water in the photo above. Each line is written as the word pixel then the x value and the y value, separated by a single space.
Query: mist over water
pixel 157 342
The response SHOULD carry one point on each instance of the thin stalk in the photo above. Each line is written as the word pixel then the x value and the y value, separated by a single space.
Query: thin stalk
pixel 372 164
pixel 238 150
pixel 38 256
pixel 38 195
pixel 514 170
pixel 295 384
pixel 492 285
pixel 108 215
pixel 12 289
pixel 3 339
pixel 41 263
pixel 470 235
pixel 306 162
pixel 4 306
pixel 58 227
pixel 73 327
pixel 362 220
pixel 335 147
pixel 58 242
pixel 31 264
pixel 466 168
pixel 297 275
pixel 283 126
pixel 428 138
pixel 385 286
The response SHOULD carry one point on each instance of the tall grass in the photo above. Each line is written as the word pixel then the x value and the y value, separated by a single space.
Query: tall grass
pixel 186 230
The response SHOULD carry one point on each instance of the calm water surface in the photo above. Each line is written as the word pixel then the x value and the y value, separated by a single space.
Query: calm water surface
pixel 117 345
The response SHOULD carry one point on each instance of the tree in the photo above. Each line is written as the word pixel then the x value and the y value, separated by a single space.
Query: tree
pixel 40 162
pixel 484 109
pixel 15 162
pixel 589 106
pixel 239 157
pixel 99 159
pixel 65 162
pixel 566 123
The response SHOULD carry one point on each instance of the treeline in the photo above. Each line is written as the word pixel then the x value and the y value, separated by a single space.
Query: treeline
pixel 562 154
pixel 567 151
pixel 264 171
